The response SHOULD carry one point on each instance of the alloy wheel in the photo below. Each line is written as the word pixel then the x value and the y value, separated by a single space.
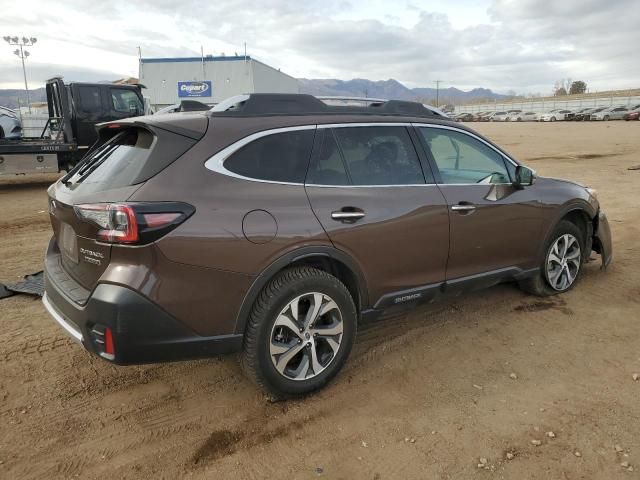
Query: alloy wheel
pixel 306 336
pixel 563 262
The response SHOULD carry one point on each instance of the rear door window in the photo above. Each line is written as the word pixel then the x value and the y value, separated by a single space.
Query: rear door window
pixel 379 155
pixel 280 157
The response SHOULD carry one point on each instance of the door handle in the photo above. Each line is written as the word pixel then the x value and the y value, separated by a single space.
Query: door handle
pixel 347 214
pixel 463 207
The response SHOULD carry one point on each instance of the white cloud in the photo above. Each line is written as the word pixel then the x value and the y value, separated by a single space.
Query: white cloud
pixel 523 45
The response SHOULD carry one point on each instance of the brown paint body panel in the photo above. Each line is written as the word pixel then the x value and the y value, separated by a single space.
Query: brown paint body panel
pixel 402 241
pixel 202 272
pixel 503 231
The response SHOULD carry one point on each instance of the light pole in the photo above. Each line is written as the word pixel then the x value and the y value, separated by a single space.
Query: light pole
pixel 22 53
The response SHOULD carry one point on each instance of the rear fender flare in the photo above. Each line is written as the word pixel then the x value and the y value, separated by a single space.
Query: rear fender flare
pixel 292 257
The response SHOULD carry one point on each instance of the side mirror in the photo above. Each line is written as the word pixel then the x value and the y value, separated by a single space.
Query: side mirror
pixel 524 177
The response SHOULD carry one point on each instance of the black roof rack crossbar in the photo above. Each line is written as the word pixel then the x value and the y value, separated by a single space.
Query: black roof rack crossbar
pixel 302 104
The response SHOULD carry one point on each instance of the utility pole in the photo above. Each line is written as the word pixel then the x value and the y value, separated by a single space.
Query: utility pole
pixel 22 53
pixel 437 82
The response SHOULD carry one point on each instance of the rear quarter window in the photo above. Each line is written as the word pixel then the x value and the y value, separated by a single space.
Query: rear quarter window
pixel 280 157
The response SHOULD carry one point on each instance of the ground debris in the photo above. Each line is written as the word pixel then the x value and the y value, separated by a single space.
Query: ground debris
pixel 537 443
pixel 551 435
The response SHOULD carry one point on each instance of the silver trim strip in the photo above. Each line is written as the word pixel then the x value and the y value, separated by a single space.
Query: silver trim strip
pixel 462 208
pixel 77 336
pixel 364 124
pixel 216 162
pixel 371 186
pixel 347 215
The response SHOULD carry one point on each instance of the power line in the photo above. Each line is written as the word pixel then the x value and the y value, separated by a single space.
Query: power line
pixel 437 82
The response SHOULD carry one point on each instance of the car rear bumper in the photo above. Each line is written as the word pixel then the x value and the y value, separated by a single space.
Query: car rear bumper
pixel 142 332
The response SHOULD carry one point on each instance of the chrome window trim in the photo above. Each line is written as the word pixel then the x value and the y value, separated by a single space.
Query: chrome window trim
pixel 371 186
pixel 364 124
pixel 216 162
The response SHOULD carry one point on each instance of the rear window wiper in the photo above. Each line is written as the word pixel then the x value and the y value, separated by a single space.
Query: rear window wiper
pixel 95 162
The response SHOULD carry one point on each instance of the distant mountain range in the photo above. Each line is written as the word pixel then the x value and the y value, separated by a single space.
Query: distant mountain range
pixel 358 87
pixel 393 90
pixel 9 97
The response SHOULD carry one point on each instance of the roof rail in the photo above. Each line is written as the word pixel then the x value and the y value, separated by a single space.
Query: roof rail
pixel 303 104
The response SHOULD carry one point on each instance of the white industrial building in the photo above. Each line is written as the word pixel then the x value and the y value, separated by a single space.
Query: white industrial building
pixel 209 79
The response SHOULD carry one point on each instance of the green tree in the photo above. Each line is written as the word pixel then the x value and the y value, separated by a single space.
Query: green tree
pixel 578 87
pixel 561 91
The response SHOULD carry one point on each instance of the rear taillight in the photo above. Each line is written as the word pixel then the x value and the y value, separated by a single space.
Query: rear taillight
pixel 134 223
pixel 117 222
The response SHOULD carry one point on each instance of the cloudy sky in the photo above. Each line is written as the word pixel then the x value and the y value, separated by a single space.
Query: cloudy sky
pixel 521 45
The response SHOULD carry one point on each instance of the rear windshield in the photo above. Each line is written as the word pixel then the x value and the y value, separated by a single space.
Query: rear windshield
pixel 130 157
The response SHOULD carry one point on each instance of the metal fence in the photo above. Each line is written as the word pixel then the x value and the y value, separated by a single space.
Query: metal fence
pixel 541 105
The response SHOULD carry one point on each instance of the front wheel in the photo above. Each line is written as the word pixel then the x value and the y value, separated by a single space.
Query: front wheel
pixel 300 332
pixel 562 263
pixel 606 118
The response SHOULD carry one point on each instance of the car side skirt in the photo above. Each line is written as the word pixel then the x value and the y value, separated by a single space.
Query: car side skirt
pixel 410 298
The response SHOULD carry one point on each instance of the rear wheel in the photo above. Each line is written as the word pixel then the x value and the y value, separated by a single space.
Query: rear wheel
pixel 300 332
pixel 562 262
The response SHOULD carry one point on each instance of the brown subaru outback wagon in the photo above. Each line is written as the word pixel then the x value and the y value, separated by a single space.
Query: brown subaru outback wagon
pixel 274 224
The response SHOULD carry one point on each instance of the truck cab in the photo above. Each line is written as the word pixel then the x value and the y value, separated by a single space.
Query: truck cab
pixel 94 103
pixel 74 110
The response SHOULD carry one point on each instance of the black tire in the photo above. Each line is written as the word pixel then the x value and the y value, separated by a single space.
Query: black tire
pixel 553 119
pixel 606 118
pixel 283 289
pixel 1 133
pixel 539 285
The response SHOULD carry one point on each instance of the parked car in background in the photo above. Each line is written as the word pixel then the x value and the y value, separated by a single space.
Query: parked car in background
pixel 555 115
pixel 611 113
pixel 483 116
pixel 265 226
pixel 584 113
pixel 633 115
pixel 498 117
pixel 511 114
pixel 10 126
pixel 464 117
pixel 185 106
pixel 525 117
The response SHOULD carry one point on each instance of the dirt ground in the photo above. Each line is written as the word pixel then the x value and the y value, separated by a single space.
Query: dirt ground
pixel 422 396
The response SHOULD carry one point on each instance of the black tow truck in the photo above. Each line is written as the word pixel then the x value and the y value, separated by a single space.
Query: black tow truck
pixel 74 110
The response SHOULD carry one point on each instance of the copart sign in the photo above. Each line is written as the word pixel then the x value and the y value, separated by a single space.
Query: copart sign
pixel 195 89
